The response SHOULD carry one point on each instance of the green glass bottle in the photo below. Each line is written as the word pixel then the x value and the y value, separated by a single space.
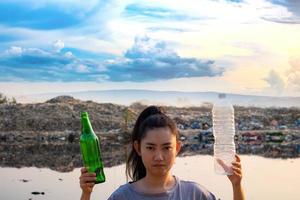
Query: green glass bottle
pixel 90 149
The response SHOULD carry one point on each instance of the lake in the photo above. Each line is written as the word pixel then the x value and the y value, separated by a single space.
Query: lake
pixel 264 178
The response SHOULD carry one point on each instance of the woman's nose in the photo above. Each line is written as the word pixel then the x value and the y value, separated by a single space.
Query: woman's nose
pixel 158 156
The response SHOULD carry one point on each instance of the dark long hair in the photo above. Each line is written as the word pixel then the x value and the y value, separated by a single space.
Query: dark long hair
pixel 150 118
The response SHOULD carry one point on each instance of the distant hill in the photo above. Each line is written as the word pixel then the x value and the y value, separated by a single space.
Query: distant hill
pixel 59 114
pixel 172 98
pixel 62 113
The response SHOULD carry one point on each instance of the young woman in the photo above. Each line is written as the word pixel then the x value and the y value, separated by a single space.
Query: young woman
pixel 155 145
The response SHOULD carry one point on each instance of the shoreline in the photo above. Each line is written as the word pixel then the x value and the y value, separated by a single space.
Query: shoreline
pixel 60 151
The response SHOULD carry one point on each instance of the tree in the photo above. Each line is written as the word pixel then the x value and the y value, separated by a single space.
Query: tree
pixel 128 115
pixel 14 101
pixel 5 100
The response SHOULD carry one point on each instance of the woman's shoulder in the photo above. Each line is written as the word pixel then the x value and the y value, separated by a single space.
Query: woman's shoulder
pixel 196 189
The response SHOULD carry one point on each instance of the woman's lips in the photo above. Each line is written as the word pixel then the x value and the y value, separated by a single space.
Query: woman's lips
pixel 159 165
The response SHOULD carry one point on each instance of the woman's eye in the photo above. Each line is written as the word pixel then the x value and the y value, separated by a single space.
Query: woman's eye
pixel 149 148
pixel 168 148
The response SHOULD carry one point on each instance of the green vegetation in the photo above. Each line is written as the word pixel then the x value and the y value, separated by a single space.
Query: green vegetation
pixel 5 100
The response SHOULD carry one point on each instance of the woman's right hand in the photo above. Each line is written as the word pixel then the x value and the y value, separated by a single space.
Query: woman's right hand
pixel 87 181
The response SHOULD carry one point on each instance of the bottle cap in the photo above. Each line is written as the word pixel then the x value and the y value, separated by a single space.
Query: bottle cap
pixel 222 96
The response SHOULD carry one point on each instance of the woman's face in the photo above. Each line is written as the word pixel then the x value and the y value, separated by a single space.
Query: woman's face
pixel 158 150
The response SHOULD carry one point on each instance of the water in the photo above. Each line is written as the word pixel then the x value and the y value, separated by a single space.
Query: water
pixel 264 178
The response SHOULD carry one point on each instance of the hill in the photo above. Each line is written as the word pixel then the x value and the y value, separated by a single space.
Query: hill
pixel 59 114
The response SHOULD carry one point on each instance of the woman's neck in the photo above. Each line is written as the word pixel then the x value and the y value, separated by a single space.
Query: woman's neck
pixel 156 184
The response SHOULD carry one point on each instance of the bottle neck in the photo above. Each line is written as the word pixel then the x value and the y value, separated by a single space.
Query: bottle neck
pixel 86 126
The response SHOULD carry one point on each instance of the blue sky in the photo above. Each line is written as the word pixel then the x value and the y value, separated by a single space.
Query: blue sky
pixel 230 46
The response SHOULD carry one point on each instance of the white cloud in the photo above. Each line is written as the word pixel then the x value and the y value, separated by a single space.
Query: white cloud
pixel 69 54
pixel 293 74
pixel 15 50
pixel 82 68
pixel 58 45
pixel 277 84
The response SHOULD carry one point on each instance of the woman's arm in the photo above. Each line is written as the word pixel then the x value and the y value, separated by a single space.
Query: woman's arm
pixel 238 193
pixel 85 196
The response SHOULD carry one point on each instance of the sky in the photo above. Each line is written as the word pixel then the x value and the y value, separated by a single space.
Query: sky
pixel 232 46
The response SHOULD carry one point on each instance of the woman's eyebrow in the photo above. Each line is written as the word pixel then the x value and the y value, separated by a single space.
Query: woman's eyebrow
pixel 150 144
pixel 164 144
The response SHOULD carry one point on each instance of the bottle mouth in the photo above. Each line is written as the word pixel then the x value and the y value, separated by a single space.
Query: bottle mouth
pixel 84 114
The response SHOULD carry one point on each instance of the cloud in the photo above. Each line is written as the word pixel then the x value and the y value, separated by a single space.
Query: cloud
pixel 291 14
pixel 149 60
pixel 293 74
pixel 154 12
pixel 82 68
pixel 58 45
pixel 235 1
pixel 85 54
pixel 96 25
pixel 69 54
pixel 33 64
pixel 146 60
pixel 283 20
pixel 19 57
pixel 277 85
pixel 292 5
pixel 290 85
pixel 167 29
pixel 14 50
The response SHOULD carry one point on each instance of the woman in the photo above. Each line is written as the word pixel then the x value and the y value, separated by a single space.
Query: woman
pixel 155 145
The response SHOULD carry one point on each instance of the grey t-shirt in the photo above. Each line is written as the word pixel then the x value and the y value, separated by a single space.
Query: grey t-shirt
pixel 182 190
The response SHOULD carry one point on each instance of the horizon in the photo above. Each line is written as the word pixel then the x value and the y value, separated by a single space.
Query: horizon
pixel 241 47
pixel 150 90
pixel 164 98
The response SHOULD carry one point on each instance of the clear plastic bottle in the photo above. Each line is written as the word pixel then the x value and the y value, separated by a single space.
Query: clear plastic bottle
pixel 224 131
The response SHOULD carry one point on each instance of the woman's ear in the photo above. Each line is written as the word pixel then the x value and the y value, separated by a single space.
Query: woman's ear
pixel 136 146
pixel 178 147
